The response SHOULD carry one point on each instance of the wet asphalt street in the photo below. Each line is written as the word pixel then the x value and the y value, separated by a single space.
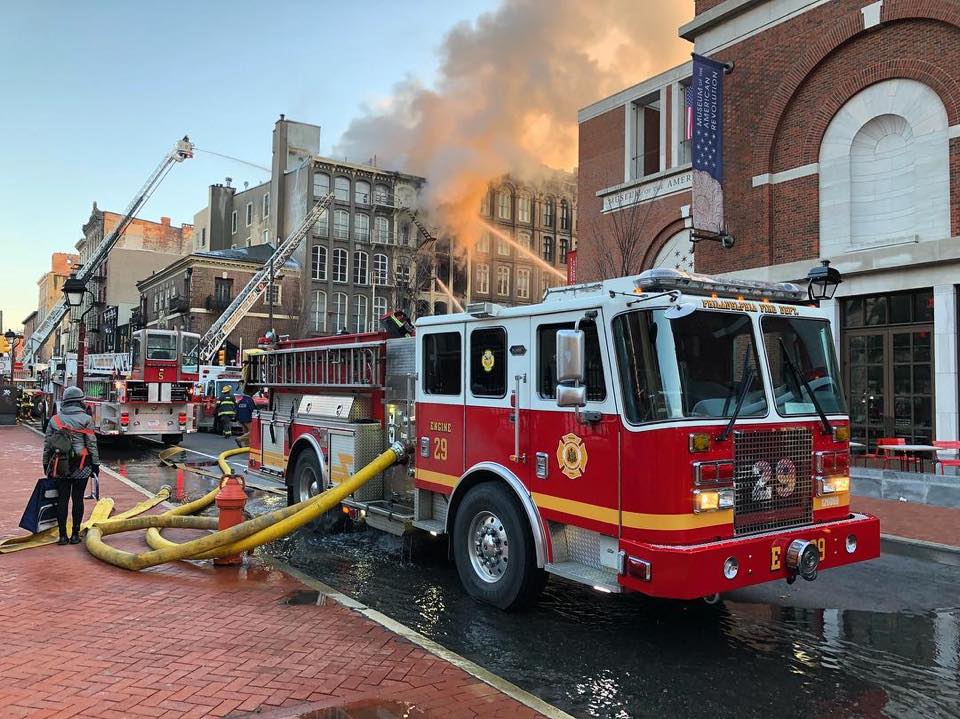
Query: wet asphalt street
pixel 876 639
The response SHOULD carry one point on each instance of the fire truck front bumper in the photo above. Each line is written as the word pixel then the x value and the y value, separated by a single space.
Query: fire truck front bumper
pixel 702 570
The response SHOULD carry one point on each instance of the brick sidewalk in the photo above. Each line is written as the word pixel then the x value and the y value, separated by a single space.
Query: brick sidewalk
pixel 912 521
pixel 84 639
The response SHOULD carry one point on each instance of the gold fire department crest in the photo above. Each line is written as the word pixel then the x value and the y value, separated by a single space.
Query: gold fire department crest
pixel 487 360
pixel 572 456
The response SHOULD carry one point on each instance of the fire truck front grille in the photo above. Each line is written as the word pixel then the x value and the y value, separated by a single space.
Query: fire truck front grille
pixel 774 483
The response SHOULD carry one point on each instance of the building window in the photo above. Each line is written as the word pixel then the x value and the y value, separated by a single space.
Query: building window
pixel 562 246
pixel 341 224
pixel 272 295
pixel 380 268
pixel 203 236
pixel 379 306
pixel 564 215
pixel 483 279
pixel 523 208
pixel 322 228
pixel 339 265
pixel 645 136
pixel 361 227
pixel 361 192
pixel 547 361
pixel 341 189
pixel 485 204
pixel 318 263
pixel 524 238
pixel 488 362
pixel 339 311
pixel 249 241
pixel 321 185
pixel 685 119
pixel 266 237
pixel 483 243
pixel 360 313
pixel 548 249
pixel 361 268
pixel 503 247
pixel 248 217
pixel 548 213
pixel 233 222
pixel 503 205
pixel 381 229
pixel 523 283
pixel 402 268
pixel 381 195
pixel 405 234
pixel 222 291
pixel 503 281
pixel 266 205
pixel 319 311
pixel 442 368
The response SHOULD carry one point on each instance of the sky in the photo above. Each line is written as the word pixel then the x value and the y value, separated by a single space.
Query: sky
pixel 93 94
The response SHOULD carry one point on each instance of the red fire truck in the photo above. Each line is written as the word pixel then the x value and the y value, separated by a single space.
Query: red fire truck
pixel 146 392
pixel 672 434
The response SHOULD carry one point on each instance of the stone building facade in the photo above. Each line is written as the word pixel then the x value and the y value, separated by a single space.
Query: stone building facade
pixel 50 292
pixel 841 142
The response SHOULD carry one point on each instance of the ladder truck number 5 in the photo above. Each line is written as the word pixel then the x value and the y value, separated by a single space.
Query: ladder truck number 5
pixel 440 448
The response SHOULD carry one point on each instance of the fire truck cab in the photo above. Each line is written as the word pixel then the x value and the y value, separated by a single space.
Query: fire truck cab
pixel 673 434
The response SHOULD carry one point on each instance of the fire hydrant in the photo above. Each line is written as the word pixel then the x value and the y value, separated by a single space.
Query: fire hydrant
pixel 231 499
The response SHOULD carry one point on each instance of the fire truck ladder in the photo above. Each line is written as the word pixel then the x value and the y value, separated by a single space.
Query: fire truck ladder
pixel 182 151
pixel 108 363
pixel 254 289
pixel 355 366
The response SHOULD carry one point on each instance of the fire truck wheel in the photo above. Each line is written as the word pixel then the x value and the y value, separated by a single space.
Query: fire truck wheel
pixel 493 549
pixel 307 478
pixel 172 438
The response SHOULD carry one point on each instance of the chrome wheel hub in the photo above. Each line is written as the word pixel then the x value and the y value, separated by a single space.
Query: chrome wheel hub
pixel 309 484
pixel 488 547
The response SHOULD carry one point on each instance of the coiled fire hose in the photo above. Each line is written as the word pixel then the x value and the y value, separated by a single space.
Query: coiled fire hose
pixel 236 540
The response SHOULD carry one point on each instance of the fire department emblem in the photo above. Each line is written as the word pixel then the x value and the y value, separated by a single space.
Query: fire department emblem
pixel 572 456
pixel 486 360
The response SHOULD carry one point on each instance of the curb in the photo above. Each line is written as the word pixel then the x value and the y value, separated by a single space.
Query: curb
pixel 920 549
pixel 475 670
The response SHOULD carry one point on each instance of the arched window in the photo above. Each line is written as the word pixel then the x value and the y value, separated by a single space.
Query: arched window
pixel 381 229
pixel 483 279
pixel 339 311
pixel 341 224
pixel 361 268
pixel 548 212
pixel 321 185
pixel 339 265
pixel 322 227
pixel 379 307
pixel 884 169
pixel 318 263
pixel 523 283
pixel 523 208
pixel 381 195
pixel 483 244
pixel 676 254
pixel 564 215
pixel 485 204
pixel 402 271
pixel 380 268
pixel 503 281
pixel 319 311
pixel 548 249
pixel 360 313
pixel 361 227
pixel 342 189
pixel 361 192
pixel 524 239
pixel 503 204
pixel 563 244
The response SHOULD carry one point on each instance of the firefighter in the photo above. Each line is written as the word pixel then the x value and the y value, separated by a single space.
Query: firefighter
pixel 245 408
pixel 226 411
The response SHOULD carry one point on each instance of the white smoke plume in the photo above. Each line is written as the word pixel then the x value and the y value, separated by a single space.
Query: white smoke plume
pixel 508 92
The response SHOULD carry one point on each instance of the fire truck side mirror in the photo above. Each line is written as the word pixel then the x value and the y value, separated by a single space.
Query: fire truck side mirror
pixel 570 354
pixel 571 395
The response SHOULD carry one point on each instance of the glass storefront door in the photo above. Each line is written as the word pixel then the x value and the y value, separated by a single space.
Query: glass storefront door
pixel 887 356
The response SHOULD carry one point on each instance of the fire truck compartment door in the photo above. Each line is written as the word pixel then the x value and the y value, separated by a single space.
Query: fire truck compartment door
pixel 153 392
pixel 334 407
pixel 440 431
pixel 273 435
pixel 166 391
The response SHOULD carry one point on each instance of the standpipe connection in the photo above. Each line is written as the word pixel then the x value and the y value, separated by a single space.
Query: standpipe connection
pixel 236 540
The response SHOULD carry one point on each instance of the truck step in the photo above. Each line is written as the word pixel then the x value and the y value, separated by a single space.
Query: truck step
pixel 604 579
pixel 434 526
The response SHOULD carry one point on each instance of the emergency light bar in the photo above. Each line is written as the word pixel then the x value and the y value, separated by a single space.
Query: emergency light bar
pixel 484 310
pixel 662 280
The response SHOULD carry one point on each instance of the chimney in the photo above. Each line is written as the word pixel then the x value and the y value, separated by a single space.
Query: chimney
pixel 165 221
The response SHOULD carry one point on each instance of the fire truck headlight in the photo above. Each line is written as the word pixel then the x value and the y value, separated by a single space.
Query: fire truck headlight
pixel 710 500
pixel 833 485
pixel 851 543
pixel 803 557
pixel 730 568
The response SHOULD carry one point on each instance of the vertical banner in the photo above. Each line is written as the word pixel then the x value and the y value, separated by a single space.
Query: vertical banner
pixel 705 100
pixel 572 267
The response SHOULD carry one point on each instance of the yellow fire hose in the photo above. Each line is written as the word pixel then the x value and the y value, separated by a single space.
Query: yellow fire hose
pixel 236 540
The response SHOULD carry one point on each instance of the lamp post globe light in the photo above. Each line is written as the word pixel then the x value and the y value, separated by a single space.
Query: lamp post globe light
pixel 73 290
pixel 823 281
pixel 11 337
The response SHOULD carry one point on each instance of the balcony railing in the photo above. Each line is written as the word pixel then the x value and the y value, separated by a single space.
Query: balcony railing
pixel 178 305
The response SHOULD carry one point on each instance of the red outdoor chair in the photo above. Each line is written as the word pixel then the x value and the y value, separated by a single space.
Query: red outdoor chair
pixel 885 455
pixel 948 445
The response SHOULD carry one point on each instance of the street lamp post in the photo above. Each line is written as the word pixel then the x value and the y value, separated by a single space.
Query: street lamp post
pixel 74 290
pixel 11 337
pixel 823 282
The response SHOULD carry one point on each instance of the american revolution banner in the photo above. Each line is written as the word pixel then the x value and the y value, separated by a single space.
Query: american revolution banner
pixel 705 103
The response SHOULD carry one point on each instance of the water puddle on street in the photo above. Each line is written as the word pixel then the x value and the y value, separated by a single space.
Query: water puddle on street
pixel 368 709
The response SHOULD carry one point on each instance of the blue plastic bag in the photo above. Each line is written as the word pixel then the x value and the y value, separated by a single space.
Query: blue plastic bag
pixel 41 512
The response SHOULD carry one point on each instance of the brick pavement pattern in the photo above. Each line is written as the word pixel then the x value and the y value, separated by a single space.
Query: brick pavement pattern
pixel 81 638
pixel 911 520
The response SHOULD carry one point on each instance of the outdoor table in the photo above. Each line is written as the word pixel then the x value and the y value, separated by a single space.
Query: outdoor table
pixel 911 448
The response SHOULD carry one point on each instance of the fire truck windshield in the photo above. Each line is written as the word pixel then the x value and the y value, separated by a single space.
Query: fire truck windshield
pixel 809 345
pixel 161 346
pixel 692 366
pixel 190 353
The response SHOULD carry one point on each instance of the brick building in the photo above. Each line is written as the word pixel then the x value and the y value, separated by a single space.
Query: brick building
pixel 192 292
pixel 144 248
pixel 50 292
pixel 842 120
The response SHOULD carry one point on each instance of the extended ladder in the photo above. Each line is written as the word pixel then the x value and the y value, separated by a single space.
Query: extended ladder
pixel 247 297
pixel 182 151
pixel 351 366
